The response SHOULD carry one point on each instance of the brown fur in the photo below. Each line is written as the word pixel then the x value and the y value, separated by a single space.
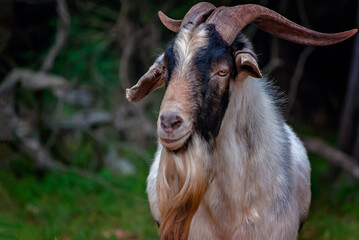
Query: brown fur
pixel 177 97
pixel 183 178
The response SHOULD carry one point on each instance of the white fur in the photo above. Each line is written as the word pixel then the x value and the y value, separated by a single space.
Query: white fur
pixel 188 40
pixel 261 186
pixel 152 185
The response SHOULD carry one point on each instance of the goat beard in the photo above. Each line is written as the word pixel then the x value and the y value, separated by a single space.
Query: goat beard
pixel 182 181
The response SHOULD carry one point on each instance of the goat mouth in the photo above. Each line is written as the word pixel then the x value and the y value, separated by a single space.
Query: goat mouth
pixel 173 144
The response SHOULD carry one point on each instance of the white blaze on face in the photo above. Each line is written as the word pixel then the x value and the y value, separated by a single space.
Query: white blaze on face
pixel 186 46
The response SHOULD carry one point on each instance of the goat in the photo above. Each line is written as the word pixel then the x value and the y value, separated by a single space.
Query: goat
pixel 227 165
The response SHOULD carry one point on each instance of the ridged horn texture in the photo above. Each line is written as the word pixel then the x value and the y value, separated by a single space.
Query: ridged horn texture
pixel 229 22
pixel 197 14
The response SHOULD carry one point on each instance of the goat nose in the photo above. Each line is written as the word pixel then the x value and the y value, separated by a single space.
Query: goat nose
pixel 170 121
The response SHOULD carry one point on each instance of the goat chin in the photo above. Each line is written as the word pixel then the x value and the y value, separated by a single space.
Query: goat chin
pixel 183 178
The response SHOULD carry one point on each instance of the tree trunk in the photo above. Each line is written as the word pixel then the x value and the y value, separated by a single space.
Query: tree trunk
pixel 349 126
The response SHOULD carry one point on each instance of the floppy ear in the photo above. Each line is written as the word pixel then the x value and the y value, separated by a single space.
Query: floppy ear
pixel 154 78
pixel 246 61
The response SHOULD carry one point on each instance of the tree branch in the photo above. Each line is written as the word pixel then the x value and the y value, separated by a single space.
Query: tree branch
pixel 349 124
pixel 32 80
pixel 30 145
pixel 298 73
pixel 61 35
pixel 275 61
pixel 334 156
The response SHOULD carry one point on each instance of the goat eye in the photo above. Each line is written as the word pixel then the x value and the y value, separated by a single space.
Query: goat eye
pixel 222 73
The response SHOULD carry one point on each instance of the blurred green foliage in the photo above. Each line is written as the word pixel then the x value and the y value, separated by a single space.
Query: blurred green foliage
pixel 67 206
pixel 334 211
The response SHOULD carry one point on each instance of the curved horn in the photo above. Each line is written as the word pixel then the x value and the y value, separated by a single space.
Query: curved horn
pixel 171 24
pixel 229 21
pixel 197 14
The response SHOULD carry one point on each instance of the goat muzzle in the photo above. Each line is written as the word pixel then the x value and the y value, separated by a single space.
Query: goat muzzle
pixel 170 122
pixel 173 130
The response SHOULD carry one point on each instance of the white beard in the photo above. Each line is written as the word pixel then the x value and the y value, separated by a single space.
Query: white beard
pixel 182 181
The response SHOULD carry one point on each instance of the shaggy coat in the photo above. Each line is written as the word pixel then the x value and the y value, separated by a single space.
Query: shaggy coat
pixel 233 169
pixel 227 165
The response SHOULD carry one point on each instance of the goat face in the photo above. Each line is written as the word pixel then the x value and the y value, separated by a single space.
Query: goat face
pixel 199 67
pixel 196 69
pixel 205 38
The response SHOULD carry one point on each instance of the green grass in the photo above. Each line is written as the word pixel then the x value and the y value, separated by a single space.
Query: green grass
pixel 58 205
pixel 67 206
pixel 334 212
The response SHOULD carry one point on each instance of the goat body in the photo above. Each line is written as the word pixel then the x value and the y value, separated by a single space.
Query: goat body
pixel 227 164
pixel 253 170
pixel 261 183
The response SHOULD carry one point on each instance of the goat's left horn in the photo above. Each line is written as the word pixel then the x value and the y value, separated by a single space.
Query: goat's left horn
pixel 229 21
pixel 197 14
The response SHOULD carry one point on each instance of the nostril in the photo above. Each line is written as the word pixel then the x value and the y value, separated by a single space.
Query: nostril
pixel 170 121
pixel 177 123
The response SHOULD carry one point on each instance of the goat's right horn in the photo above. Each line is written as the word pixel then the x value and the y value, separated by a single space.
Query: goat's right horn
pixel 197 14
pixel 229 21
pixel 171 24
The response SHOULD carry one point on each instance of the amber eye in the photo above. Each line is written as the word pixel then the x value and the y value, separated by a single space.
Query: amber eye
pixel 222 73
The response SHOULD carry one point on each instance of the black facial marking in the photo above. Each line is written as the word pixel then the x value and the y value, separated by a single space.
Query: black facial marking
pixel 170 61
pixel 210 97
pixel 213 101
pixel 240 43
